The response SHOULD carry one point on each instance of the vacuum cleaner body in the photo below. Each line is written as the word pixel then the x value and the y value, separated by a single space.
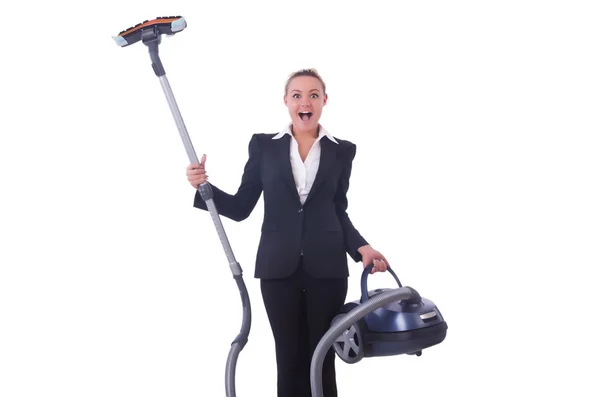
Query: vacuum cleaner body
pixel 401 327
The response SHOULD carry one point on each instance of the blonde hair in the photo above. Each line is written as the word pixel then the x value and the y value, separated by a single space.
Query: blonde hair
pixel 304 72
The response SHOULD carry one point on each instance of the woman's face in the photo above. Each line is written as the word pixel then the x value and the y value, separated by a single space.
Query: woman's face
pixel 305 100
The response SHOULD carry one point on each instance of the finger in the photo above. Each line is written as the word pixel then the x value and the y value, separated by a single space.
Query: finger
pixel 198 180
pixel 203 160
pixel 196 173
pixel 384 264
pixel 192 166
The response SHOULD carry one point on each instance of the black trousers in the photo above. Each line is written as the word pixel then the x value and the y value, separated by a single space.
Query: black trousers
pixel 300 309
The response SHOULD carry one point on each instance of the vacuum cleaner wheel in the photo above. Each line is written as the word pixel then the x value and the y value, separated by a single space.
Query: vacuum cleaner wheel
pixel 349 345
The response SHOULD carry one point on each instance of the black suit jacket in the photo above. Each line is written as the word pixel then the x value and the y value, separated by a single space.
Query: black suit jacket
pixel 320 229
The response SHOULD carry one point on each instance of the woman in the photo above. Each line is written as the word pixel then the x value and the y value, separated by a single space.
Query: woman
pixel 303 172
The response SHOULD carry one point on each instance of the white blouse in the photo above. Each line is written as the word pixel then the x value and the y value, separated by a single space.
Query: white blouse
pixel 305 172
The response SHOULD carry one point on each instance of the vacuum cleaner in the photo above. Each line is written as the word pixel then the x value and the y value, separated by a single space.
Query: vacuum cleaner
pixel 383 322
pixel 401 327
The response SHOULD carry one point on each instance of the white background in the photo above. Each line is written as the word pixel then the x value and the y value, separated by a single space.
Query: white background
pixel 476 174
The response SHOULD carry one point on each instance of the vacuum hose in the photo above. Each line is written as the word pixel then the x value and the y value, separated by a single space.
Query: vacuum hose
pixel 240 341
pixel 374 303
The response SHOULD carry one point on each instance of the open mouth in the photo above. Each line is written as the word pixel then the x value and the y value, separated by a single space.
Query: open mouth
pixel 305 116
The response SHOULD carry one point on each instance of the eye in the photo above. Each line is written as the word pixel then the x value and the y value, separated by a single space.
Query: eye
pixel 296 96
pixel 314 96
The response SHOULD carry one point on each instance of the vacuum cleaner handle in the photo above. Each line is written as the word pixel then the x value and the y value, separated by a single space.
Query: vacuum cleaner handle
pixel 363 281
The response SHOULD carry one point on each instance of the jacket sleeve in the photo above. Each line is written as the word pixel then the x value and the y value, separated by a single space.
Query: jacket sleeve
pixel 239 205
pixel 352 238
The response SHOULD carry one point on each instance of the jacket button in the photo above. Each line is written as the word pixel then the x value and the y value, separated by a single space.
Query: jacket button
pixel 300 210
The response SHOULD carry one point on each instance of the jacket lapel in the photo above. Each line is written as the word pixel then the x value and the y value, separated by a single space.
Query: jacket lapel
pixel 328 158
pixel 284 159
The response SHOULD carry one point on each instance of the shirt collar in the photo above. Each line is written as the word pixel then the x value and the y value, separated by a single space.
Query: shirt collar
pixel 322 132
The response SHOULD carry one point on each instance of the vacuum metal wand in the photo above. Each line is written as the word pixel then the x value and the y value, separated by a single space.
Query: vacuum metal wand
pixel 204 189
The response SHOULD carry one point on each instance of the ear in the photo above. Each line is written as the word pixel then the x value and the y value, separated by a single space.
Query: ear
pixel 325 100
pixel 285 100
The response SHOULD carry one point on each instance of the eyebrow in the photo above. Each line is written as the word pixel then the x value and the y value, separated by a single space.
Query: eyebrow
pixel 314 89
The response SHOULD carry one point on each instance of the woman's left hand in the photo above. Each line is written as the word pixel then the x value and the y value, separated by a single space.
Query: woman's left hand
pixel 372 256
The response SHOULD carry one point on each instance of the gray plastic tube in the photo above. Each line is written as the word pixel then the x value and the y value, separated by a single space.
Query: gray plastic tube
pixel 374 303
